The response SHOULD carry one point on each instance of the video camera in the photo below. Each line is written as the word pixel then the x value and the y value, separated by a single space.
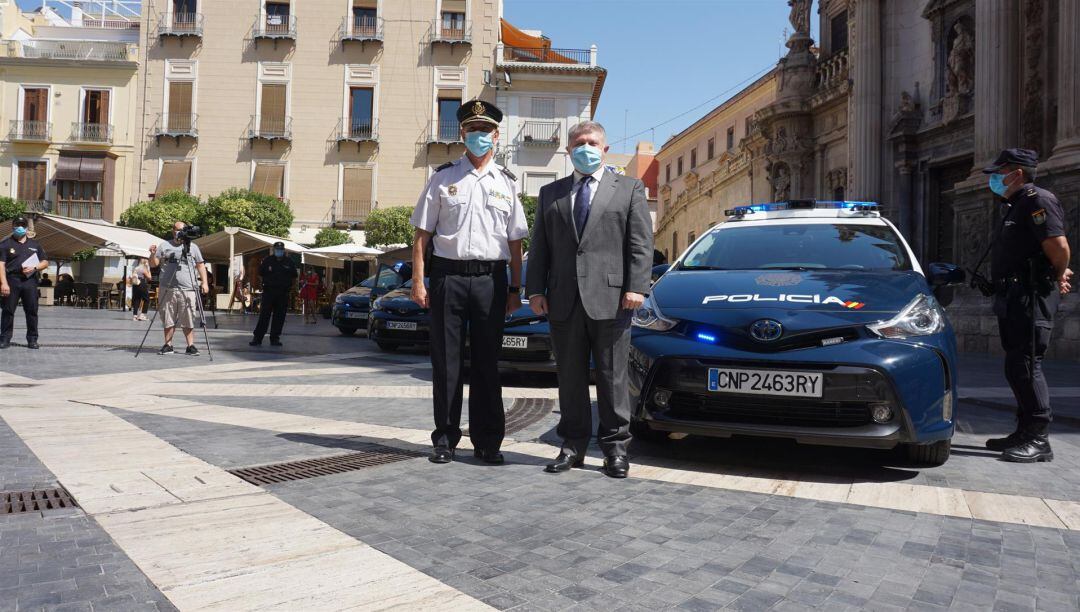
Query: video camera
pixel 190 232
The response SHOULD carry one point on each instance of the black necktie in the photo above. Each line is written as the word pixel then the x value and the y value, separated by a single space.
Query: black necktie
pixel 582 204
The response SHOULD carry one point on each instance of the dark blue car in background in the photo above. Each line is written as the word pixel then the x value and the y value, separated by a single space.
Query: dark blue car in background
pixel 396 320
pixel 804 320
pixel 352 308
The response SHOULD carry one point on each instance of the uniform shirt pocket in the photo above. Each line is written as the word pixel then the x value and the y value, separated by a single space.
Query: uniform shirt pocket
pixel 451 213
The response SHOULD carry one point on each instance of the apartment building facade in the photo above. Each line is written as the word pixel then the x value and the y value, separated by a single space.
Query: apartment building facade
pixel 338 106
pixel 69 80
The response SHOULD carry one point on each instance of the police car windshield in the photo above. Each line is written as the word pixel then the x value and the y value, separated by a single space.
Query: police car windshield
pixel 810 246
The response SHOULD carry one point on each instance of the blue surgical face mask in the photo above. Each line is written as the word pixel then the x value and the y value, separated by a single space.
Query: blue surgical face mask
pixel 19 231
pixel 279 252
pixel 479 143
pixel 587 159
pixel 997 184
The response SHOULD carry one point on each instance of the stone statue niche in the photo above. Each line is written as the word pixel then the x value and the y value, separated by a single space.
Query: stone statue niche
pixel 959 71
pixel 781 182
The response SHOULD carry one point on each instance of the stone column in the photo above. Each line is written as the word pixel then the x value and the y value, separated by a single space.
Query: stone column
pixel 1067 149
pixel 865 131
pixel 997 79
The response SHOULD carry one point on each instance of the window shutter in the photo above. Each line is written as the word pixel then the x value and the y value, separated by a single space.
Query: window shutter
pixel 174 175
pixel 357 184
pixel 32 180
pixel 449 94
pixel 180 106
pixel 35 104
pixel 273 102
pixel 103 108
pixel 269 179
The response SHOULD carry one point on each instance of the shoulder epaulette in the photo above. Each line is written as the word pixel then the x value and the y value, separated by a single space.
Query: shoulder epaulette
pixel 509 175
pixel 444 166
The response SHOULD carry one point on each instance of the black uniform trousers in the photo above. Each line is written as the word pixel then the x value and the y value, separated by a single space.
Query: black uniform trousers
pixel 1023 369
pixel 274 304
pixel 26 291
pixel 472 305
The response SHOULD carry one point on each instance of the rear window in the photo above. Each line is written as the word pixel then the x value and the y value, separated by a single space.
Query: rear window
pixel 813 246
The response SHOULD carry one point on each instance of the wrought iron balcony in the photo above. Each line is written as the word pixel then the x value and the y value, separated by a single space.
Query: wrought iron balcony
pixel 350 211
pixel 357 130
pixel 37 206
pixel 541 133
pixel 177 125
pixel 30 131
pixel 79 209
pixel 362 28
pixel 181 24
pixel 547 55
pixel 73 50
pixel 270 128
pixel 444 131
pixel 99 133
pixel 452 33
pixel 275 27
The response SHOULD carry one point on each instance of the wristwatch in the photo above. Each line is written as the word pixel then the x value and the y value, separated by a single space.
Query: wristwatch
pixel 513 289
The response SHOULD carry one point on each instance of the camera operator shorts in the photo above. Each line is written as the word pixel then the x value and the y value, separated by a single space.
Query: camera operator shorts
pixel 177 308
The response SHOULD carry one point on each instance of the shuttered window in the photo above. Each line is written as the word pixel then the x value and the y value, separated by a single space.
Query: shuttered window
pixel 356 190
pixel 35 104
pixel 180 106
pixel 32 180
pixel 273 108
pixel 543 108
pixel 269 179
pixel 175 175
pixel 534 181
pixel 96 106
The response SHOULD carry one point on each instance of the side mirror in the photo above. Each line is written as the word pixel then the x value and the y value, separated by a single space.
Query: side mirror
pixel 659 271
pixel 945 275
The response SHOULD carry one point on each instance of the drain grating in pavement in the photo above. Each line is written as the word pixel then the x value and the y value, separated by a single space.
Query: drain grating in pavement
pixel 524 413
pixel 19 502
pixel 323 466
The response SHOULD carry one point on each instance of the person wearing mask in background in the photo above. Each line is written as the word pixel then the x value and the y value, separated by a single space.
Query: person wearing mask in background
pixel 309 293
pixel 140 290
pixel 278 274
pixel 23 259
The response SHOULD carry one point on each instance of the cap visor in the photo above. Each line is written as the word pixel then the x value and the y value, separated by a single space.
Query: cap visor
pixel 992 169
pixel 484 120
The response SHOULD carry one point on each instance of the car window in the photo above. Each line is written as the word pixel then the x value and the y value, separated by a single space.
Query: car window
pixel 368 282
pixel 814 246
pixel 388 279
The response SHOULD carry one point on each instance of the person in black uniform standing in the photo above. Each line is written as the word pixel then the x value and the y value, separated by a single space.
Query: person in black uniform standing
pixel 23 260
pixel 1030 273
pixel 278 273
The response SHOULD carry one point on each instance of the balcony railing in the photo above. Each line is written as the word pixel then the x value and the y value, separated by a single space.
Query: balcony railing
pixel 79 209
pixel 547 55
pixel 451 33
pixel 37 206
pixel 350 211
pixel 270 128
pixel 177 125
pixel 833 71
pixel 275 26
pixel 181 24
pixel 101 133
pixel 358 130
pixel 362 28
pixel 73 50
pixel 30 131
pixel 109 24
pixel 444 131
pixel 541 133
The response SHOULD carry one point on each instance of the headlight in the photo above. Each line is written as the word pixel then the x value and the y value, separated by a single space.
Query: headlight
pixel 648 316
pixel 377 304
pixel 339 299
pixel 922 317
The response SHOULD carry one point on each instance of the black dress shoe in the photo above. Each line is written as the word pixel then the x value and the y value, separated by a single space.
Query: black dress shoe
pixel 441 454
pixel 255 343
pixel 564 462
pixel 617 466
pixel 32 344
pixel 1031 449
pixel 5 344
pixel 275 342
pixel 493 457
pixel 1009 441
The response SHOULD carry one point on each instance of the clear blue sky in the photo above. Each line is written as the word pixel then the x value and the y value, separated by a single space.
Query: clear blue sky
pixel 664 57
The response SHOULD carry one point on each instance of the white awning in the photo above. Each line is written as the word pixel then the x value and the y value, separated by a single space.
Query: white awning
pixel 217 247
pixel 346 251
pixel 62 237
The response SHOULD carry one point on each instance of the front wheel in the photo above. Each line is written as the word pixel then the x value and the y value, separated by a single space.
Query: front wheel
pixel 930 454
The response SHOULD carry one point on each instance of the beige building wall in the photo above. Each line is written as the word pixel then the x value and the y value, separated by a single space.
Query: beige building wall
pixel 693 200
pixel 227 66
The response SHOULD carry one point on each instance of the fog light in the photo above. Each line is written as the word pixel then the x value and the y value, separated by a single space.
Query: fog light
pixel 661 398
pixel 947 406
pixel 881 413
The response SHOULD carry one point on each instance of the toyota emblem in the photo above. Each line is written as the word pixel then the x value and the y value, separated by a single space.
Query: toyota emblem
pixel 766 330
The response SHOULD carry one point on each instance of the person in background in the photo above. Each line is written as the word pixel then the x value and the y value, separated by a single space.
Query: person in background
pixel 45 280
pixel 23 259
pixel 278 274
pixel 140 290
pixel 309 292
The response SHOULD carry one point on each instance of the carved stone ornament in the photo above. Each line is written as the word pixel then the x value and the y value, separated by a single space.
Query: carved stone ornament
pixel 800 16
pixel 781 182
pixel 959 72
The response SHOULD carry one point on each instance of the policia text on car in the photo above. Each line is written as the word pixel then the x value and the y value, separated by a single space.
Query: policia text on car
pixel 1029 270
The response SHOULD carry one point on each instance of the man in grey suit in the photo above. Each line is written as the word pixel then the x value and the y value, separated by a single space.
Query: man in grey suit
pixel 589 268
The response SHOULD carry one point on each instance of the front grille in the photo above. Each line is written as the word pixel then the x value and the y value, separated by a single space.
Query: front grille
pixel 771 411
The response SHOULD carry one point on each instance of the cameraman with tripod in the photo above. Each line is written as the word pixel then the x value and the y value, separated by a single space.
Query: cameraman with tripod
pixel 177 298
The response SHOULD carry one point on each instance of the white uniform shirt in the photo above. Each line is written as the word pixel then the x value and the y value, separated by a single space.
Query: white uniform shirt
pixel 472 213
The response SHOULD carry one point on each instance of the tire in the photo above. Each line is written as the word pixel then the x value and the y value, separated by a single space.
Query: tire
pixel 640 430
pixel 930 454
pixel 387 346
pixel 346 331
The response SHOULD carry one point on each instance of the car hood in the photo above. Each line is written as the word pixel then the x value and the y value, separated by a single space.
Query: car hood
pixel 400 300
pixel 811 299
pixel 357 295
pixel 524 321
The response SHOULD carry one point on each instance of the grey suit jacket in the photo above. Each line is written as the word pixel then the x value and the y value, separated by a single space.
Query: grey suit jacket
pixel 614 254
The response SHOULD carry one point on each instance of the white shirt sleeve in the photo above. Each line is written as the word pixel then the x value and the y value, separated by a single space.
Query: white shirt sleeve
pixel 426 214
pixel 518 227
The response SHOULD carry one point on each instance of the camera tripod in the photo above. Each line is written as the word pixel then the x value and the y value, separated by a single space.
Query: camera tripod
pixel 185 256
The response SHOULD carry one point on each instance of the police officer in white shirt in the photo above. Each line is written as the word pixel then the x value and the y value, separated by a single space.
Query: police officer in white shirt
pixel 470 213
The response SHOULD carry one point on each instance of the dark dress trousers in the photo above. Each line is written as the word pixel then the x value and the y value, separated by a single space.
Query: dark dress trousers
pixel 584 280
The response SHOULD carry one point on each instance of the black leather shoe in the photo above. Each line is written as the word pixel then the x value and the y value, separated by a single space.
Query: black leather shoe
pixel 564 462
pixel 255 343
pixel 1000 444
pixel 617 466
pixel 493 457
pixel 1031 449
pixel 441 454
pixel 32 344
pixel 275 342
pixel 5 344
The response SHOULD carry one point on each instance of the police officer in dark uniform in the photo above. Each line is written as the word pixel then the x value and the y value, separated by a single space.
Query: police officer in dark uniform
pixel 471 216
pixel 23 260
pixel 278 273
pixel 1030 273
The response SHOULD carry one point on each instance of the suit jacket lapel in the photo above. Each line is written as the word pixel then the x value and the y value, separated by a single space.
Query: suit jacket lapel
pixel 604 192
pixel 564 204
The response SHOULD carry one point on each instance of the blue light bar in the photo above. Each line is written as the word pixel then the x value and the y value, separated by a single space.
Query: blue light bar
pixel 856 206
pixel 711 339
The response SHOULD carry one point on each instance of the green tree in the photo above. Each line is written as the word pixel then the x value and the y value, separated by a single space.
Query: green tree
pixel 389 226
pixel 159 215
pixel 9 209
pixel 329 236
pixel 248 210
pixel 529 204
pixel 84 254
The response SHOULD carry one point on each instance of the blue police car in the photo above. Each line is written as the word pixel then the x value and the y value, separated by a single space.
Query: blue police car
pixel 807 320
pixel 396 320
pixel 352 308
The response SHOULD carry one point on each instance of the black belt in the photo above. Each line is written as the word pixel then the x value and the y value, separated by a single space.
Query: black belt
pixel 466 267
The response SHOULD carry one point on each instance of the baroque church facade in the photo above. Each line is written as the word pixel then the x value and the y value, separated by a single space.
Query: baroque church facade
pixel 904 103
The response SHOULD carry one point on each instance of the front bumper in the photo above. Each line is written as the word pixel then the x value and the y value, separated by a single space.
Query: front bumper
pixel 349 317
pixel 378 330
pixel 538 356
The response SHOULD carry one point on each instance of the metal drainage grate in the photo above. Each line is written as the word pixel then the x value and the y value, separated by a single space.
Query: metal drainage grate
pixel 323 466
pixel 20 385
pixel 524 413
pixel 18 502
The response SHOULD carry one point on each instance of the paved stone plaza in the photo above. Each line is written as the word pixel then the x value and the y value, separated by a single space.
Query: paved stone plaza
pixel 148 447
